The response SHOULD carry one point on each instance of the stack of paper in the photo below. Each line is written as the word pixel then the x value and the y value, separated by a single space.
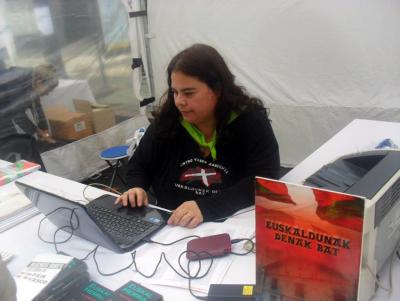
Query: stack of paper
pixel 14 209
pixel 14 206
pixel 166 276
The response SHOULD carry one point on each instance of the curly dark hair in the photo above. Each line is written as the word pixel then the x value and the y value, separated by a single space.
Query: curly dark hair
pixel 207 65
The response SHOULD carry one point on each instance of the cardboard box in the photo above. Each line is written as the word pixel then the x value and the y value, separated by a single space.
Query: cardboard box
pixel 101 116
pixel 66 125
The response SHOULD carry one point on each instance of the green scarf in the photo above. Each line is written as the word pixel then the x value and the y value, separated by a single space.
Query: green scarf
pixel 198 136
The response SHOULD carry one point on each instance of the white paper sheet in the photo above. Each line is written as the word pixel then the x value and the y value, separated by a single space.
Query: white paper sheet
pixel 166 276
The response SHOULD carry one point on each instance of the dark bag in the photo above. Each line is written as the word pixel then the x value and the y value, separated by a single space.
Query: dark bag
pixel 19 146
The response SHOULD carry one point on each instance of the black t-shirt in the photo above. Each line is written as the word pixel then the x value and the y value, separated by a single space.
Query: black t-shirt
pixel 177 172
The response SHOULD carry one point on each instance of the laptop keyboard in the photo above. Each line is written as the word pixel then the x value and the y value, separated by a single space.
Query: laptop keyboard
pixel 123 230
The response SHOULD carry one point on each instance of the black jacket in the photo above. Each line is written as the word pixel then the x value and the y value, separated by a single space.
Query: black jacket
pixel 16 97
pixel 177 172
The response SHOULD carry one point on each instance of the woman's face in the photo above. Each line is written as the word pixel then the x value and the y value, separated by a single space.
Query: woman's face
pixel 194 99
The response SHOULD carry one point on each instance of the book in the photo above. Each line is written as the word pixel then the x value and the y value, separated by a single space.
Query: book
pixel 133 291
pixel 50 277
pixel 15 207
pixel 15 218
pixel 130 291
pixel 12 203
pixel 12 171
pixel 92 291
pixel 309 242
pixel 70 277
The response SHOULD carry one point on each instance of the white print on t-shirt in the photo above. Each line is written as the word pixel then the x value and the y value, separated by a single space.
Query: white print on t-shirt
pixel 197 175
pixel 197 191
pixel 202 161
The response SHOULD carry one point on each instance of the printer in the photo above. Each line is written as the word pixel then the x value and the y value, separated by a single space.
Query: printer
pixel 374 175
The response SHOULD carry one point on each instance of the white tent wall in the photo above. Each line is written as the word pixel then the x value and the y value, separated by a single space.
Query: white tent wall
pixel 316 64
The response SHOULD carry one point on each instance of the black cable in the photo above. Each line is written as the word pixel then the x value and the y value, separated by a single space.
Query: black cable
pixel 232 215
pixel 162 256
pixel 113 273
pixel 64 241
pixel 88 254
pixel 191 278
pixel 70 226
pixel 234 241
pixel 170 243
pixel 187 273
pixel 199 260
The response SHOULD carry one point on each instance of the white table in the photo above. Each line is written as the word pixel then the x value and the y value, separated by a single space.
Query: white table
pixel 359 135
pixel 23 241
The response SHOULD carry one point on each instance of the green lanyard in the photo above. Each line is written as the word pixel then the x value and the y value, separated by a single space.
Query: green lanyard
pixel 198 136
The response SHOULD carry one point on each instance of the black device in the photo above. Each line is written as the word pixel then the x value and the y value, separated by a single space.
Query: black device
pixel 133 291
pixel 363 173
pixel 232 292
pixel 90 290
pixel 117 228
pixel 72 276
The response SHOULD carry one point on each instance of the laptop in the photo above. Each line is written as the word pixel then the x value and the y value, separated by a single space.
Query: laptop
pixel 114 227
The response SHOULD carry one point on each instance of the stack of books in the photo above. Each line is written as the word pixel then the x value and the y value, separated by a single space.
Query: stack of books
pixel 61 277
pixel 14 206
pixel 11 171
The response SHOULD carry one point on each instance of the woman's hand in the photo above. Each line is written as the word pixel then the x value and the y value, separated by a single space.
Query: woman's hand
pixel 186 215
pixel 135 197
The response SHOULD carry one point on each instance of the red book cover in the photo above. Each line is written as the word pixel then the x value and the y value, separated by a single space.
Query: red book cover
pixel 12 171
pixel 309 242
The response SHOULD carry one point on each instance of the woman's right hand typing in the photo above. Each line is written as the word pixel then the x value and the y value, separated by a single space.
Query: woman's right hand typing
pixel 135 197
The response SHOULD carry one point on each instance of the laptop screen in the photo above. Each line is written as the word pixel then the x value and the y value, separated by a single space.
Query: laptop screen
pixel 68 215
pixel 63 213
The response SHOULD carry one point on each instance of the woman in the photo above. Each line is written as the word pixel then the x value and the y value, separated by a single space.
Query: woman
pixel 205 145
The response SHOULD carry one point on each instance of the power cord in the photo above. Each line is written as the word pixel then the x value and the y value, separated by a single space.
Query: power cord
pixel 376 277
pixel 248 241
pixel 169 243
pixel 97 185
pixel 71 227
pixel 185 273
pixel 232 215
